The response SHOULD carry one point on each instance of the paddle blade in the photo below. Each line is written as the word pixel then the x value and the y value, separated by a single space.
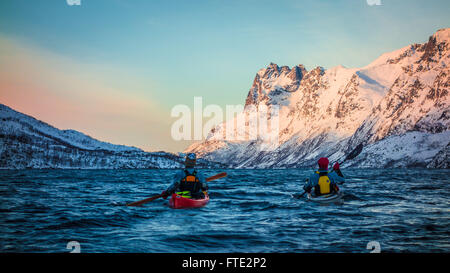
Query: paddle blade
pixel 217 176
pixel 139 203
pixel 298 195
pixel 355 152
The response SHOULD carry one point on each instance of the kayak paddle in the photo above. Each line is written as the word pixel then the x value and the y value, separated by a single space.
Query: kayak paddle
pixel 350 156
pixel 353 154
pixel 138 203
pixel 217 176
pixel 304 192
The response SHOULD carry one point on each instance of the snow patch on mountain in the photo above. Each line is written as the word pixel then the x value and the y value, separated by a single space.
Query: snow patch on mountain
pixel 441 159
pixel 392 152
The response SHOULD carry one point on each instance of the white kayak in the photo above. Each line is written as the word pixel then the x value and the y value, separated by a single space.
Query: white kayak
pixel 327 198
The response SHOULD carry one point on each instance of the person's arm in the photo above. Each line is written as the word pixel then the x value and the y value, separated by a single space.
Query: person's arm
pixel 308 186
pixel 338 177
pixel 202 180
pixel 172 188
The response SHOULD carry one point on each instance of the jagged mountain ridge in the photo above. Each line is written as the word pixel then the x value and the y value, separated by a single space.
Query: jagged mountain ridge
pixel 26 142
pixel 328 112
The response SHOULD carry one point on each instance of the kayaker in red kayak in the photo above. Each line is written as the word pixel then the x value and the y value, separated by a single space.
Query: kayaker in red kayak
pixel 323 181
pixel 188 182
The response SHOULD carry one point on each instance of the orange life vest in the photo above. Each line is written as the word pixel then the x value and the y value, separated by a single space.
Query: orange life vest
pixel 190 182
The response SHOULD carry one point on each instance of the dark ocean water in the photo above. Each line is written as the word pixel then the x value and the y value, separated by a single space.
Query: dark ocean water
pixel 250 211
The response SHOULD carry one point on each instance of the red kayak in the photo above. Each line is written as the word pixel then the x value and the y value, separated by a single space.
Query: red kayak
pixel 179 202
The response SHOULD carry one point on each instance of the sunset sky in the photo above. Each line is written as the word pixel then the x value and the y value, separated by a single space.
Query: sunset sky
pixel 114 69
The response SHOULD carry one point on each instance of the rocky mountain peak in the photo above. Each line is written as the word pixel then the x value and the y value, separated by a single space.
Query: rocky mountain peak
pixel 436 46
pixel 401 97
pixel 442 35
pixel 297 73
pixel 274 83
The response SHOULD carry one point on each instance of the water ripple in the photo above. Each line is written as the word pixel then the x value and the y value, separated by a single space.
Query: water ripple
pixel 249 211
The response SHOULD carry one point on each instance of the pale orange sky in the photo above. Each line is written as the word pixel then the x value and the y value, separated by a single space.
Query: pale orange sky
pixel 71 95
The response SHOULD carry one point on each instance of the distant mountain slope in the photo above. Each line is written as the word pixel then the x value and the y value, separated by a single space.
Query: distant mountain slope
pixel 16 123
pixel 329 112
pixel 26 142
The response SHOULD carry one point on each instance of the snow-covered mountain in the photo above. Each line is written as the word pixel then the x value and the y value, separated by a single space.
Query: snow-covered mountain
pixel 26 142
pixel 398 107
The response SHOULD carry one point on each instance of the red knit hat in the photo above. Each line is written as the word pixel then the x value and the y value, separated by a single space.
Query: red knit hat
pixel 323 163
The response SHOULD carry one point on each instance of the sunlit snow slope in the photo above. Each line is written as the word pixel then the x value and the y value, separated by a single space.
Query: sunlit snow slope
pixel 402 95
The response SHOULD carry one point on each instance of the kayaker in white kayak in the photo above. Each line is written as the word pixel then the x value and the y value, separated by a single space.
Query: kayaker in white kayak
pixel 188 182
pixel 324 182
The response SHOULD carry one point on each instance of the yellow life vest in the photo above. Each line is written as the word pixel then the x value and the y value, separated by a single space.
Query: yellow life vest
pixel 324 183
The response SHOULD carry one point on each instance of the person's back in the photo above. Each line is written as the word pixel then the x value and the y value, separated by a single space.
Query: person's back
pixel 192 183
pixel 323 181
pixel 188 182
